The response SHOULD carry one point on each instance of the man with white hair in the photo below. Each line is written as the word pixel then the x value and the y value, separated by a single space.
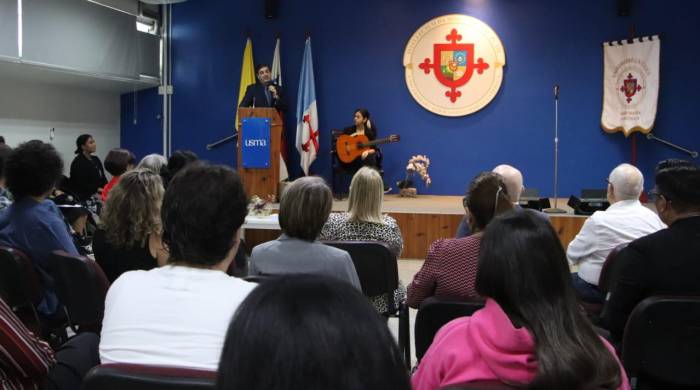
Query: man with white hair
pixel 625 220
pixel 514 186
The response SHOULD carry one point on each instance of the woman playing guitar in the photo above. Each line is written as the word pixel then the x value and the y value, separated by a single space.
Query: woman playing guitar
pixel 363 126
pixel 370 157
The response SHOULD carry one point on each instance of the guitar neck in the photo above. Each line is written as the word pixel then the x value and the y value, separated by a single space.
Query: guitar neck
pixel 378 142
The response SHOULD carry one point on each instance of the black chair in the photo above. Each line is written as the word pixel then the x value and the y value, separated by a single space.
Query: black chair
pixel 19 287
pixel 139 377
pixel 379 274
pixel 661 343
pixel 608 275
pixel 81 286
pixel 433 313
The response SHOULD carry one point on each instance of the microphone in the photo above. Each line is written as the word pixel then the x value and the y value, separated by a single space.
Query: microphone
pixel 556 91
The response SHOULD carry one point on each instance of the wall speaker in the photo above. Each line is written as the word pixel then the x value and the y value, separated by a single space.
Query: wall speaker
pixel 272 8
pixel 624 7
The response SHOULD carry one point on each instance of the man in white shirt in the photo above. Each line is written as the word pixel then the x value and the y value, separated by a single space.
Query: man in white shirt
pixel 625 220
pixel 178 315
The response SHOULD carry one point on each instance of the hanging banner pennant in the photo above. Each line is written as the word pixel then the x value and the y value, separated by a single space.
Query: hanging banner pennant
pixel 630 85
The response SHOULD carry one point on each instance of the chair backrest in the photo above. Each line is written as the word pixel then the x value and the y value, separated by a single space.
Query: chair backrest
pixel 662 341
pixel 375 265
pixel 433 314
pixel 608 274
pixel 139 377
pixel 81 286
pixel 19 285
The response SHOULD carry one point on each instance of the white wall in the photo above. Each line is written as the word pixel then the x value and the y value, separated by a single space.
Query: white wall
pixel 29 110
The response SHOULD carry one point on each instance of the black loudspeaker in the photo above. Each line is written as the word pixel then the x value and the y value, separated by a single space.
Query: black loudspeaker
pixel 624 7
pixel 272 8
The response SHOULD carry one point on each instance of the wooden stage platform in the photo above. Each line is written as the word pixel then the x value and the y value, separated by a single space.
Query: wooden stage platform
pixel 428 217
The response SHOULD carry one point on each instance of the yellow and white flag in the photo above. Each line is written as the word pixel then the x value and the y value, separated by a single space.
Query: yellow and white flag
pixel 630 85
pixel 247 73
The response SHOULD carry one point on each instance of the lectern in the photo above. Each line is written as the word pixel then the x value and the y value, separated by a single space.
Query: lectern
pixel 262 182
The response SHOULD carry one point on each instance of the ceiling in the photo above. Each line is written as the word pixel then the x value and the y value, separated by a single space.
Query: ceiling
pixel 15 71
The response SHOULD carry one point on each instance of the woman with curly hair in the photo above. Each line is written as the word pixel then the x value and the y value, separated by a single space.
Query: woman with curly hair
pixel 130 235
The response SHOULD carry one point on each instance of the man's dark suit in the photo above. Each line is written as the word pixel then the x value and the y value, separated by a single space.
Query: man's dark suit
pixel 255 96
pixel 663 263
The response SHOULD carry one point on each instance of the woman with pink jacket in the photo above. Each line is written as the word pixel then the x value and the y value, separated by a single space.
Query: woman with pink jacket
pixel 531 330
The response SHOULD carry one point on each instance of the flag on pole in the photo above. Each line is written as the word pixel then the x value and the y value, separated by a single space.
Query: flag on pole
pixel 631 85
pixel 277 79
pixel 247 73
pixel 307 116
pixel 276 65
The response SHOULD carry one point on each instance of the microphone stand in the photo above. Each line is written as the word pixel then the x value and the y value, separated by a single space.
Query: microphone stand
pixel 555 209
pixel 222 141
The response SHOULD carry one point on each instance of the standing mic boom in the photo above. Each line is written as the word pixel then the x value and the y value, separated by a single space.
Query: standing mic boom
pixel 556 210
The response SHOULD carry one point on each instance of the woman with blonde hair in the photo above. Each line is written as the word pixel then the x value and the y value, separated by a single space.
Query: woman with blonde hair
pixel 364 221
pixel 130 235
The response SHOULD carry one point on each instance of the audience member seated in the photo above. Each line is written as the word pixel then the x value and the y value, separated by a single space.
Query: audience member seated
pixel 5 195
pixel 153 162
pixel 304 209
pixel 129 238
pixel 514 183
pixel 33 224
pixel 87 176
pixel 625 220
pixel 531 333
pixel 177 315
pixel 29 363
pixel 309 332
pixel 117 162
pixel 449 270
pixel 665 262
pixel 364 222
pixel 177 161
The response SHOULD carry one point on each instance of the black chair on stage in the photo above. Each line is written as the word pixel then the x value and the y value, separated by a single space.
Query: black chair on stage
pixel 433 313
pixel 140 377
pixel 81 286
pixel 661 343
pixel 379 274
pixel 19 287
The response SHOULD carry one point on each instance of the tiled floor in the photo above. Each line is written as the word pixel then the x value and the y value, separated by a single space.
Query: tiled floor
pixel 407 268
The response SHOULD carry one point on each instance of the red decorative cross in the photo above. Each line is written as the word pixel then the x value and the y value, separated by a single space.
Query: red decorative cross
pixel 426 66
pixel 313 136
pixel 481 66
pixel 454 37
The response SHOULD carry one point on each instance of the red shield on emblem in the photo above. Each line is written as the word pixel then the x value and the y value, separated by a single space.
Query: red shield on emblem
pixel 630 87
pixel 453 64
pixel 456 63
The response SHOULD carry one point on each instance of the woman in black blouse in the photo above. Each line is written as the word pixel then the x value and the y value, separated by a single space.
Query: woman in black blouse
pixel 363 126
pixel 87 176
pixel 130 235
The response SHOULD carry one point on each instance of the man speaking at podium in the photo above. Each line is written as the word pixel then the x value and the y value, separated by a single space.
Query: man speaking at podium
pixel 264 93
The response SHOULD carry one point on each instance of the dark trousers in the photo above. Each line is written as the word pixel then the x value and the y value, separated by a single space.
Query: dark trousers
pixel 73 361
pixel 586 291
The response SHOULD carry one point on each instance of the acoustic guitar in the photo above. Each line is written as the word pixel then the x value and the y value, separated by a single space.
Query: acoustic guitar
pixel 350 147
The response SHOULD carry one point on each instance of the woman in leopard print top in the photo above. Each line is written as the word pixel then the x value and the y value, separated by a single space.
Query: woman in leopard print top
pixel 365 222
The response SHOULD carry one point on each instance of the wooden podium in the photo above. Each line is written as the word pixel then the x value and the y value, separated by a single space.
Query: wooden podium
pixel 261 181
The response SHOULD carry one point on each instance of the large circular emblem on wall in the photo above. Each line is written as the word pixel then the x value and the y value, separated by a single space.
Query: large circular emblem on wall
pixel 454 65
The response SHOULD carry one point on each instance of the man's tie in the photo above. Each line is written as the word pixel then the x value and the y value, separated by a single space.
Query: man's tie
pixel 267 95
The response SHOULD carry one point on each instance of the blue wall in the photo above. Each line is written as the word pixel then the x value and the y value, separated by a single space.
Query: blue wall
pixel 141 123
pixel 358 47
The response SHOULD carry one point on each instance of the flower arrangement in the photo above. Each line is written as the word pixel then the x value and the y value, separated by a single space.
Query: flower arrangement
pixel 416 165
pixel 260 206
